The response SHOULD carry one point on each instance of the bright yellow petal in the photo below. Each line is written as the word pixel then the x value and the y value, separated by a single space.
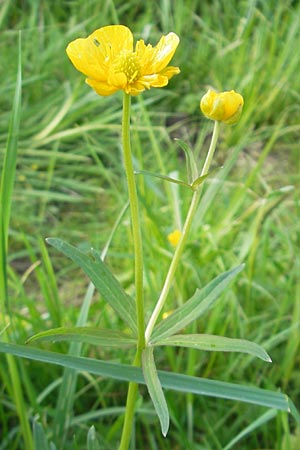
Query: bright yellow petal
pixel 233 103
pixel 164 51
pixel 87 58
pixel 94 55
pixel 118 80
pixel 145 56
pixel 170 71
pixel 101 87
pixel 113 39
pixel 158 80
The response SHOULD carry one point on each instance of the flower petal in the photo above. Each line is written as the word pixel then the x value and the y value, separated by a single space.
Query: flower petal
pixel 87 58
pixel 170 71
pixel 113 39
pixel 145 54
pixel 158 80
pixel 102 88
pixel 164 51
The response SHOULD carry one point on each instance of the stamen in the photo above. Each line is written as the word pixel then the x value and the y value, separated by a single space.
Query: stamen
pixel 128 64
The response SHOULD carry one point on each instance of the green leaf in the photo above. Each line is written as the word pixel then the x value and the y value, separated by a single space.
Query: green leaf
pixel 175 381
pixel 90 335
pixel 198 304
pixel 155 389
pixel 163 177
pixel 191 165
pixel 216 344
pixel 104 281
pixel 92 442
pixel 198 181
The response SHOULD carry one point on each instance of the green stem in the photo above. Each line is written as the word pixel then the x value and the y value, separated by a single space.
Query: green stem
pixel 138 260
pixel 135 220
pixel 130 407
pixel 183 238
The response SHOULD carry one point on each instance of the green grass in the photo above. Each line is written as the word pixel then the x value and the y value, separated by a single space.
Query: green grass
pixel 69 183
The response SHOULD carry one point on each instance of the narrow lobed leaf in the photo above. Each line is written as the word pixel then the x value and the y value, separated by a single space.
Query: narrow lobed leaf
pixel 191 165
pixel 198 304
pixel 163 177
pixel 214 343
pixel 169 380
pixel 155 389
pixel 89 335
pixel 104 281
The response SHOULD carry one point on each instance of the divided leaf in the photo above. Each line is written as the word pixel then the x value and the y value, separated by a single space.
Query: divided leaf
pixel 198 304
pixel 155 389
pixel 169 380
pixel 89 335
pixel 104 281
pixel 216 344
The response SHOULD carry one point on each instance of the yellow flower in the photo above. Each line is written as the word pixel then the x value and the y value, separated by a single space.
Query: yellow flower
pixel 224 106
pixel 111 63
pixel 174 237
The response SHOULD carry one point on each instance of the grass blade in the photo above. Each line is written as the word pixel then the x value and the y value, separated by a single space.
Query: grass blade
pixel 92 442
pixel 67 389
pixel 103 279
pixel 6 190
pixel 214 343
pixel 8 176
pixel 155 389
pixel 201 301
pixel 39 437
pixel 264 418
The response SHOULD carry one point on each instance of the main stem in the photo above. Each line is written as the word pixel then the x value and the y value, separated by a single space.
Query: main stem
pixel 138 269
pixel 184 234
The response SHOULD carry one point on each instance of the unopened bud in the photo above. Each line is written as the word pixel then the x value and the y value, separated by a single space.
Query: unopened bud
pixel 224 106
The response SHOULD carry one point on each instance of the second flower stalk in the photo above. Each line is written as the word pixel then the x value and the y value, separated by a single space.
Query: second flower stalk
pixel 232 101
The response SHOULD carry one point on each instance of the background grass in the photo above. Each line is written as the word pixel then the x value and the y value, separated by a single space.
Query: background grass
pixel 70 184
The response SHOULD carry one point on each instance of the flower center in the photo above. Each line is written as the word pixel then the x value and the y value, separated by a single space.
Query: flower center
pixel 127 63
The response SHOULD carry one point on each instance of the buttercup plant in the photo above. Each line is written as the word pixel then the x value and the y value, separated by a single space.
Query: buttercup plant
pixel 111 63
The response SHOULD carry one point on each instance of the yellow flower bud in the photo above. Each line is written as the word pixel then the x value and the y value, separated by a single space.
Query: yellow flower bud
pixel 174 237
pixel 224 106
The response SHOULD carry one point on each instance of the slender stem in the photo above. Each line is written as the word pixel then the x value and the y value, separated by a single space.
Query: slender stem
pixel 138 269
pixel 130 407
pixel 184 235
pixel 211 149
pixel 135 220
